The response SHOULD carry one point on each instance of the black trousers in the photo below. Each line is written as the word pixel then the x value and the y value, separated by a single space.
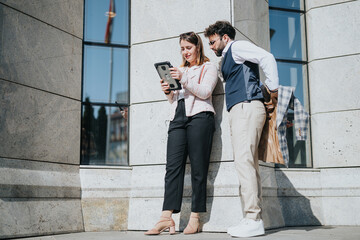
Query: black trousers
pixel 188 136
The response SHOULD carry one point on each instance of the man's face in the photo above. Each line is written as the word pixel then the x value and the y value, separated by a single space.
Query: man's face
pixel 217 44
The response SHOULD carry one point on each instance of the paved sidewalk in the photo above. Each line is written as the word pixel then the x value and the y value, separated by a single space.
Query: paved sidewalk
pixel 293 233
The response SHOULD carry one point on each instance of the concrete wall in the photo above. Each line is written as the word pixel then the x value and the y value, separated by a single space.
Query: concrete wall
pixel 40 85
pixel 334 63
pixel 154 38
pixel 105 195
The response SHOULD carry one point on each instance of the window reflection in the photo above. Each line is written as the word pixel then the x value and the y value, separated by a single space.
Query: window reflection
pixel 104 136
pixel 105 74
pixel 292 74
pixel 288 4
pixel 286 40
pixel 96 21
pixel 104 130
pixel 297 149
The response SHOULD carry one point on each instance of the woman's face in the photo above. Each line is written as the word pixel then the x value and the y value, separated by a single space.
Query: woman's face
pixel 188 51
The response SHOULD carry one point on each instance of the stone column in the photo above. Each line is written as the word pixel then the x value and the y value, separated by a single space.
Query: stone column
pixel 334 62
pixel 40 91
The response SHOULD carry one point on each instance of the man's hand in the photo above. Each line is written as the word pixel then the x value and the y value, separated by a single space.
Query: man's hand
pixel 271 99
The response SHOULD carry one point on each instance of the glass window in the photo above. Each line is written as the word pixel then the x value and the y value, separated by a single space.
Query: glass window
pixel 288 4
pixel 104 135
pixel 105 90
pixel 288 45
pixel 294 75
pixel 97 18
pixel 106 74
pixel 286 40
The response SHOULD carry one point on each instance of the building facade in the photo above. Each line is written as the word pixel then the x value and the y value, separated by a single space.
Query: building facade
pixel 59 175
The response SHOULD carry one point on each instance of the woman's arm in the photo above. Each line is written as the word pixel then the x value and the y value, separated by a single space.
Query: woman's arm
pixel 204 89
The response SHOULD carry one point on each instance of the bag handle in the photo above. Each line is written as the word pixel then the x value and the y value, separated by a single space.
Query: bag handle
pixel 202 70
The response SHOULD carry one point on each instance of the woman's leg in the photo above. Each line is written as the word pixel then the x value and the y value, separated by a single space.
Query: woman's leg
pixel 175 161
pixel 200 131
pixel 175 170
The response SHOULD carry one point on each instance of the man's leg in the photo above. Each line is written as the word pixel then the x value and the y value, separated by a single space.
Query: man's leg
pixel 246 123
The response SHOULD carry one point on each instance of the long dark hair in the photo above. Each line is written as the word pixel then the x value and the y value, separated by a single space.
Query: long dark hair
pixel 195 39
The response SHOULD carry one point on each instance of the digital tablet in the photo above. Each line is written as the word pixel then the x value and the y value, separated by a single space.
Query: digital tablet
pixel 163 69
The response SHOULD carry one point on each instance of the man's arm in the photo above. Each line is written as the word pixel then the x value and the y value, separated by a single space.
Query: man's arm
pixel 246 51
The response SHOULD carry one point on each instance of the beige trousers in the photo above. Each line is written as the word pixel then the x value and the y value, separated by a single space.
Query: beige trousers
pixel 246 124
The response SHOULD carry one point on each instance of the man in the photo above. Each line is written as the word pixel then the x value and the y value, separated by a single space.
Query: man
pixel 244 102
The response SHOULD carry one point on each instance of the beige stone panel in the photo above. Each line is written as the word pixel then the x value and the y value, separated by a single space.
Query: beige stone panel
pixel 145 81
pixel 268 181
pixel 148 144
pixel 334 84
pixel 271 212
pixel 221 149
pixel 298 198
pixel 335 139
pixel 298 182
pixel 45 216
pixel 38 55
pixel 36 125
pixel 252 20
pixel 148 181
pixel 105 214
pixel 340 182
pixel 323 3
pixel 148 133
pixel 302 211
pixel 31 179
pixel 154 20
pixel 332 31
pixel 64 14
pixel 105 182
pixel 144 213
pixel 341 210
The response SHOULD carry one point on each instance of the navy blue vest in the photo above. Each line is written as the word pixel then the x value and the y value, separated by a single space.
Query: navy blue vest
pixel 242 81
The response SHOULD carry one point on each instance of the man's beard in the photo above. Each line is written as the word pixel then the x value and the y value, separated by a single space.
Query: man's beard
pixel 220 49
pixel 219 52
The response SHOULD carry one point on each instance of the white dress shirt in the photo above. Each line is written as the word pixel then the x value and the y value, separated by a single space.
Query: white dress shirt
pixel 246 51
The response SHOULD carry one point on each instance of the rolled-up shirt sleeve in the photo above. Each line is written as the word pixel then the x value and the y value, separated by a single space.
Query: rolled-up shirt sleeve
pixel 246 51
pixel 204 89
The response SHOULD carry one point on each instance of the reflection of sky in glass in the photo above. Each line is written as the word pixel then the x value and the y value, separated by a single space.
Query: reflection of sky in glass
pixel 286 41
pixel 95 21
pixel 291 74
pixel 97 67
pixel 289 4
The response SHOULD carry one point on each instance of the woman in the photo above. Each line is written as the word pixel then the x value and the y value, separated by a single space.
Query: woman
pixel 190 133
